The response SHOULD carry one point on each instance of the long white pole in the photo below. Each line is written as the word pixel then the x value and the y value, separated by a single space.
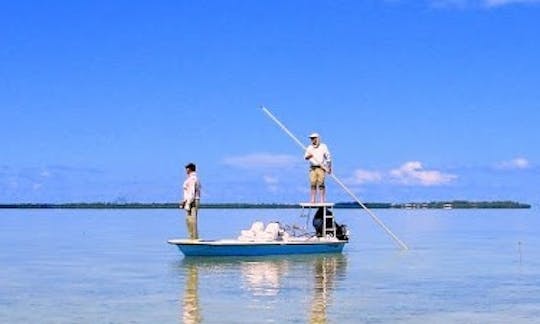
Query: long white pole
pixel 339 182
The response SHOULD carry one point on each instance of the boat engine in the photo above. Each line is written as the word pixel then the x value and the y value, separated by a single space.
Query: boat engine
pixel 342 232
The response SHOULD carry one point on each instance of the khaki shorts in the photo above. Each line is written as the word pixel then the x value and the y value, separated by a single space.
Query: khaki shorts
pixel 316 177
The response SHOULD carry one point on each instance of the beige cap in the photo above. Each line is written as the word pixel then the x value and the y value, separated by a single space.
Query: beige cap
pixel 313 135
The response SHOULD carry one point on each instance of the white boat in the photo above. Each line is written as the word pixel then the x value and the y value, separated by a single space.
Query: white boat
pixel 275 239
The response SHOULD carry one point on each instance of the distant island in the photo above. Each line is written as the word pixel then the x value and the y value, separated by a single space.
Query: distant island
pixel 455 204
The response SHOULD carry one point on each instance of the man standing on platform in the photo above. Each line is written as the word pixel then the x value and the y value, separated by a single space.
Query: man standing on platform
pixel 190 203
pixel 318 155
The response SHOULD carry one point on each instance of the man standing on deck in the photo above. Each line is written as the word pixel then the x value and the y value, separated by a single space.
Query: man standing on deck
pixel 318 155
pixel 192 196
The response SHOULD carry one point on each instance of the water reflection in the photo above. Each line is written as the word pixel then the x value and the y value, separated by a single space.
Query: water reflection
pixel 190 304
pixel 257 282
pixel 262 278
pixel 326 270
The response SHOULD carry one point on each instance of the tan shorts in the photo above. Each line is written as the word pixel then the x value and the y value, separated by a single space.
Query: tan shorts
pixel 316 177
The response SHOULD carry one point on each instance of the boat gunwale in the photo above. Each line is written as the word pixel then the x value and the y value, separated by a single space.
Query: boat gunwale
pixel 231 242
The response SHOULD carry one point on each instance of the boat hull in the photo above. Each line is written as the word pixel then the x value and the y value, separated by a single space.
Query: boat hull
pixel 238 248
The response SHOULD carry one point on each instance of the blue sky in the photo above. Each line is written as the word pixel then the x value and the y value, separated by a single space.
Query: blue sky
pixel 417 100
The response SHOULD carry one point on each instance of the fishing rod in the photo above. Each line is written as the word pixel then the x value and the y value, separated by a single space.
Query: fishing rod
pixel 339 182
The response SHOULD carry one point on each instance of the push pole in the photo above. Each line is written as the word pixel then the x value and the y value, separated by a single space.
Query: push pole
pixel 340 183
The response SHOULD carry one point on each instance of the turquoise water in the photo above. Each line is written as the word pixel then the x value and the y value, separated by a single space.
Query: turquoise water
pixel 114 266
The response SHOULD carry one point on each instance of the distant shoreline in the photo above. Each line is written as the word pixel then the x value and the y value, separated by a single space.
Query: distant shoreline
pixel 455 204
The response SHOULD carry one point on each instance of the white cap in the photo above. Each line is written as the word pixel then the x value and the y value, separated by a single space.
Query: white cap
pixel 314 135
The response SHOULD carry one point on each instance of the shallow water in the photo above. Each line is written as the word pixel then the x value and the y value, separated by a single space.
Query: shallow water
pixel 88 266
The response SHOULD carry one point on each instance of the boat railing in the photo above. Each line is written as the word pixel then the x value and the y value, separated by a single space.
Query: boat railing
pixel 328 221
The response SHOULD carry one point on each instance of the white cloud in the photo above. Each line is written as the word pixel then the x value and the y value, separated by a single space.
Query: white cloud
pixel 410 173
pixel 271 183
pixel 270 180
pixel 361 176
pixel 479 3
pixel 500 3
pixel 413 173
pixel 262 161
pixel 518 163
pixel 450 3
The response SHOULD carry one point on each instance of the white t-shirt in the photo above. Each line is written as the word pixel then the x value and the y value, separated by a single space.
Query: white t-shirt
pixel 321 155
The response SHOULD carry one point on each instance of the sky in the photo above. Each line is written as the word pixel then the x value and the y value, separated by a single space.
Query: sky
pixel 107 101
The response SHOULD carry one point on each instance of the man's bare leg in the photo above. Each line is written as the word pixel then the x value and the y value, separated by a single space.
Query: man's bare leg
pixel 322 192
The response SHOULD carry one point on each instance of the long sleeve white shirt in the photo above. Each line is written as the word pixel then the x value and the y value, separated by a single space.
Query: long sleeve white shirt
pixel 192 188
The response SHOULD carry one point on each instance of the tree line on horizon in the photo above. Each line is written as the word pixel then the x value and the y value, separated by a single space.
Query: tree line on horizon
pixel 460 204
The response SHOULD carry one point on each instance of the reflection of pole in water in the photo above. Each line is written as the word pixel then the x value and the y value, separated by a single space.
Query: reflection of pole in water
pixel 326 269
pixel 191 311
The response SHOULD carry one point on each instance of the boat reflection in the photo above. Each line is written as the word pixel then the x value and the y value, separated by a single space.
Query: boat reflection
pixel 268 280
pixel 262 278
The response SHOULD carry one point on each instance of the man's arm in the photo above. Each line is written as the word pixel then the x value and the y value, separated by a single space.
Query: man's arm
pixel 308 154
pixel 328 160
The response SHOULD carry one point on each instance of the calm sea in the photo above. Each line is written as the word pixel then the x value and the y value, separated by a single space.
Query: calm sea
pixel 114 266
